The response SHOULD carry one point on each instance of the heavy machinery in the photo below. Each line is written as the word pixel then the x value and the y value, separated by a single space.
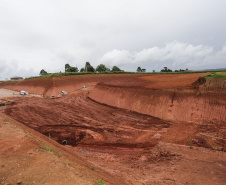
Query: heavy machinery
pixel 5 102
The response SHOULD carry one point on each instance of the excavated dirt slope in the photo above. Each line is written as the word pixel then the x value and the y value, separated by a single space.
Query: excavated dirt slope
pixel 168 97
pixel 131 125
pixel 53 86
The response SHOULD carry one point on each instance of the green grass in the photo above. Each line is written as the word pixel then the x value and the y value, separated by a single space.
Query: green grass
pixel 47 148
pixel 100 182
pixel 215 75
pixel 119 72
pixel 93 167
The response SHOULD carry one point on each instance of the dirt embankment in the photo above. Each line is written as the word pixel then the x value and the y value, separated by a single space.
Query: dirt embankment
pixel 124 147
pixel 54 85
pixel 204 103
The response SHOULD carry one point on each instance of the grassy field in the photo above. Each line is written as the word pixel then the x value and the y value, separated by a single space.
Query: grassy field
pixel 215 75
pixel 123 72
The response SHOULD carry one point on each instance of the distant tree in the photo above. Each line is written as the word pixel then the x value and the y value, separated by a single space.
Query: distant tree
pixel 139 69
pixel 166 70
pixel 43 72
pixel 176 71
pixel 72 69
pixel 186 69
pixel 102 68
pixel 115 68
pixel 82 70
pixel 153 71
pixel 86 65
pixel 143 70
pixel 66 67
pixel 89 68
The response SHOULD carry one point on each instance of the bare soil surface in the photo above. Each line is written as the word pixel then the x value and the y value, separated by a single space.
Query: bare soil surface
pixel 118 145
pixel 25 159
pixel 182 81
pixel 158 81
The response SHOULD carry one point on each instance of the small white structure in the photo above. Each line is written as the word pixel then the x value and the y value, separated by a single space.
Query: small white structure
pixel 63 92
pixel 23 92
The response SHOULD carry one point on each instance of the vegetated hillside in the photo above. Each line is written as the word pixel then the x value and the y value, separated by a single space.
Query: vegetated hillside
pixel 187 102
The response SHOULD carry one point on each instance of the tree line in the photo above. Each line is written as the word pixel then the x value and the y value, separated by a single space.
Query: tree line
pixel 102 68
pixel 87 68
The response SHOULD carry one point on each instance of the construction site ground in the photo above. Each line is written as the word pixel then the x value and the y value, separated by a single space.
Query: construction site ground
pixel 103 142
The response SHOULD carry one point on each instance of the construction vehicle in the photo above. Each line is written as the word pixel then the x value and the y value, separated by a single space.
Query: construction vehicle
pixel 5 102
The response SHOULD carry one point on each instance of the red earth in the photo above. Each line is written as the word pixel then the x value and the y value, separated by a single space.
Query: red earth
pixel 132 129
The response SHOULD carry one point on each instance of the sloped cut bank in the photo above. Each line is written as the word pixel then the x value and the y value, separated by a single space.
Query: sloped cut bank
pixel 189 105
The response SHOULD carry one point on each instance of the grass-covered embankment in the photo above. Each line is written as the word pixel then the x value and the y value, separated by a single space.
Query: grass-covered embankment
pixel 215 75
pixel 123 72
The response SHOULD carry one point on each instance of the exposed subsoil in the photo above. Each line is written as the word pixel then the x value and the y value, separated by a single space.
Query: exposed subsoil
pixel 24 159
pixel 136 148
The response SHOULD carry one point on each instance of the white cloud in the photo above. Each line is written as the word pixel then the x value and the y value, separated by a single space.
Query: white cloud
pixel 175 54
pixel 47 34
pixel 117 57
pixel 10 69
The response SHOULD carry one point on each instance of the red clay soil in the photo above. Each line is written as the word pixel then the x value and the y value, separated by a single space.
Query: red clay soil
pixel 181 81
pixel 127 145
pixel 54 85
pixel 25 159
pixel 112 127
pixel 188 102
pixel 157 81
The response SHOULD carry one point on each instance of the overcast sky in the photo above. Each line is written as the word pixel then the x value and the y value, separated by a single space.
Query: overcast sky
pixel 152 34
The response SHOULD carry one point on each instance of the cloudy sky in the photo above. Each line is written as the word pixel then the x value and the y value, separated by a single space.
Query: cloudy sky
pixel 47 34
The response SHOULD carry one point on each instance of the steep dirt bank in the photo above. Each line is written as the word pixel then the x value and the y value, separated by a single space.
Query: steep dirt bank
pixel 54 85
pixel 165 104
pixel 204 104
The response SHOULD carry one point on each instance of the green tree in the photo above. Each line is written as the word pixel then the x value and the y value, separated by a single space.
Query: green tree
pixel 139 69
pixel 82 70
pixel 115 68
pixel 89 68
pixel 66 67
pixel 101 68
pixel 43 72
pixel 72 69
pixel 143 70
pixel 166 70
